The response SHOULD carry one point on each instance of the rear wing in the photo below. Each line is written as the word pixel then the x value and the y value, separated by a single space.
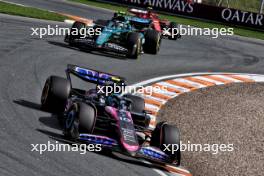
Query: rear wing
pixel 132 18
pixel 140 20
pixel 137 11
pixel 137 18
pixel 94 76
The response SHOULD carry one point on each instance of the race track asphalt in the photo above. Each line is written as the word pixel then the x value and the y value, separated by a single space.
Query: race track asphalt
pixel 26 61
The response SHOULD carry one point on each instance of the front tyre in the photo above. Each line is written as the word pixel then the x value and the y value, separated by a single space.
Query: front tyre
pixel 55 94
pixel 76 32
pixel 133 45
pixel 80 118
pixel 138 103
pixel 165 134
pixel 152 41
pixel 173 26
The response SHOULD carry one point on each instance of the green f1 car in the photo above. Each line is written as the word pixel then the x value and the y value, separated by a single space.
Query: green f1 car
pixel 119 35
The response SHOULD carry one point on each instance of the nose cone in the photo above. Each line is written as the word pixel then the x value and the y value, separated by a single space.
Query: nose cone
pixel 131 149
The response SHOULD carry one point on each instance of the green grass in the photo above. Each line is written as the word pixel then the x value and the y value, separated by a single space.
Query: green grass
pixel 13 9
pixel 185 21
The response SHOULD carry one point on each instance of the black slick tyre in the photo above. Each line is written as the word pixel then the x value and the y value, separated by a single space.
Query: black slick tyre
pixel 165 134
pixel 173 26
pixel 152 41
pixel 76 29
pixel 55 94
pixel 138 103
pixel 133 45
pixel 81 118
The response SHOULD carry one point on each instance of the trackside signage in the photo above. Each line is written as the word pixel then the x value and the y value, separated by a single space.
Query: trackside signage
pixel 203 11
pixel 171 5
pixel 237 16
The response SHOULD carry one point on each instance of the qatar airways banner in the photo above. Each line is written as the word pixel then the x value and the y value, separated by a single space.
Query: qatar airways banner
pixel 242 17
pixel 196 10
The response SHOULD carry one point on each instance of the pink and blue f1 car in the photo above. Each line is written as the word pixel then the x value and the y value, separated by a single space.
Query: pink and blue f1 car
pixel 117 122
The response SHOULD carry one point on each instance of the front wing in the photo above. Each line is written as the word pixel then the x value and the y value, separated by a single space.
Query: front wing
pixel 147 152
pixel 90 44
pixel 157 157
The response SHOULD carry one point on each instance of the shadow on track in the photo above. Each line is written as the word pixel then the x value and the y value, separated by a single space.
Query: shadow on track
pixel 85 50
pixel 28 104
pixel 51 121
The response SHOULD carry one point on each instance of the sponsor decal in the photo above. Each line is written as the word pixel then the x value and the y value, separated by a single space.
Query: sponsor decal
pixel 115 46
pixel 102 140
pixel 203 11
pixel 152 153
pixel 128 135
pixel 232 15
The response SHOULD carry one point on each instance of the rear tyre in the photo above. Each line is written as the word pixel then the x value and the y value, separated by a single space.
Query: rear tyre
pixel 173 25
pixel 167 134
pixel 133 45
pixel 152 42
pixel 55 94
pixel 80 119
pixel 77 29
pixel 138 103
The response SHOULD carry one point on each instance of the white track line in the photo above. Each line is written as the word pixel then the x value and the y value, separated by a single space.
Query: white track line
pixel 13 3
pixel 195 84
pixel 256 77
pixel 228 78
pixel 156 170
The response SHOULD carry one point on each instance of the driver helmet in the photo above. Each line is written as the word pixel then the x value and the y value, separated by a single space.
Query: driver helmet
pixel 118 25
pixel 112 101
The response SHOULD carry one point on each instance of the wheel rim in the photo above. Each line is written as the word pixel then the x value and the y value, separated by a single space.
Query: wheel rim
pixel 45 93
pixel 158 45
pixel 72 124
pixel 138 50
pixel 70 119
